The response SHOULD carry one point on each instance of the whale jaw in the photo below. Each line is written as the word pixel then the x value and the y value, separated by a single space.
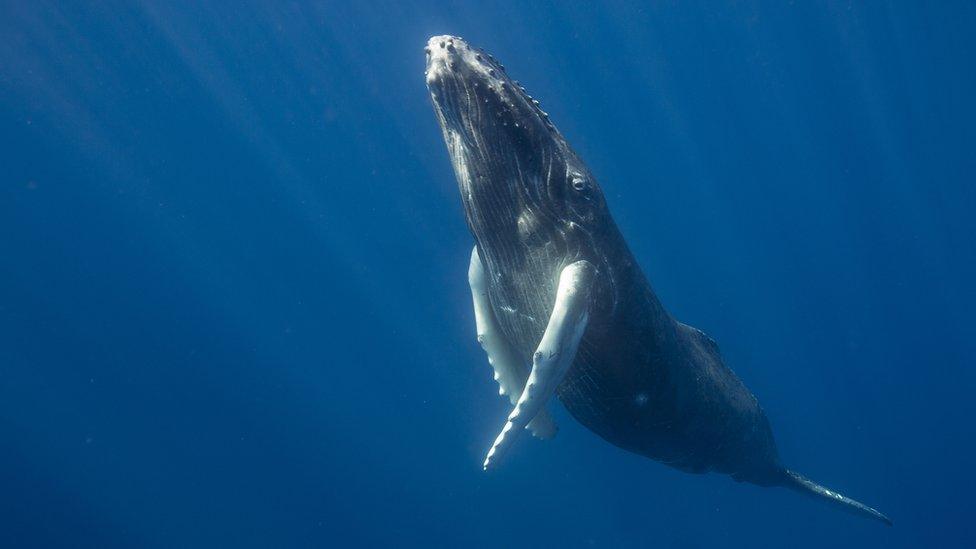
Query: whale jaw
pixel 521 183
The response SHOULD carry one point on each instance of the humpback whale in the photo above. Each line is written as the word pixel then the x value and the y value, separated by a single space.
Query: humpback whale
pixel 563 309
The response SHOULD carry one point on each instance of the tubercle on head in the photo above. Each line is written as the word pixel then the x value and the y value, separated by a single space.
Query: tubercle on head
pixel 450 56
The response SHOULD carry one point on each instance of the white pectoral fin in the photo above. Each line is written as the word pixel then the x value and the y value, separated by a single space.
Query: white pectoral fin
pixel 510 372
pixel 554 355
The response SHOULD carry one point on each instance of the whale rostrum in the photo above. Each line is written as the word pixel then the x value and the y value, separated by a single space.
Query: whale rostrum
pixel 562 307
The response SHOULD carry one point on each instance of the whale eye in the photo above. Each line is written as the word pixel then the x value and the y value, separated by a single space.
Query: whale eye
pixel 578 183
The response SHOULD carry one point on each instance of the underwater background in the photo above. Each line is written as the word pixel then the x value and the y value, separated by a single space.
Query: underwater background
pixel 233 299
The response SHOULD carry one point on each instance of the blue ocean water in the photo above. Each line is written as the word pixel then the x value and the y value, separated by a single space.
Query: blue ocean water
pixel 233 299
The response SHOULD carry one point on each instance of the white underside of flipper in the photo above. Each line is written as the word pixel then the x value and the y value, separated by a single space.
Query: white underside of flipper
pixel 554 355
pixel 511 372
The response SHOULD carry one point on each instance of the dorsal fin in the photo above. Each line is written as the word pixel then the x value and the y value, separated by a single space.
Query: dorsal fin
pixel 704 339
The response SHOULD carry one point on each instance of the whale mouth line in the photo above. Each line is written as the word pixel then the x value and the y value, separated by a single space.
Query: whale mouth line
pixel 512 165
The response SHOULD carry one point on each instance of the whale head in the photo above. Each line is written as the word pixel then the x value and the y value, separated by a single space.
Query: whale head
pixel 522 185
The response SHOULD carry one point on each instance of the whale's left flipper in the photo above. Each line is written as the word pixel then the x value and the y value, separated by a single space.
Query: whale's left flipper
pixel 511 372
pixel 553 356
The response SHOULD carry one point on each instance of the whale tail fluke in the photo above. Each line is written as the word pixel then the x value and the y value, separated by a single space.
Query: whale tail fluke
pixel 798 482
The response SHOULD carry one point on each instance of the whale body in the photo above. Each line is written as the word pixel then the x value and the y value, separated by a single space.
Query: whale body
pixel 562 306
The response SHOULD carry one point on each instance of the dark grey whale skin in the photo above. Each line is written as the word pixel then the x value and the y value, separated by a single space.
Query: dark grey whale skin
pixel 641 380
